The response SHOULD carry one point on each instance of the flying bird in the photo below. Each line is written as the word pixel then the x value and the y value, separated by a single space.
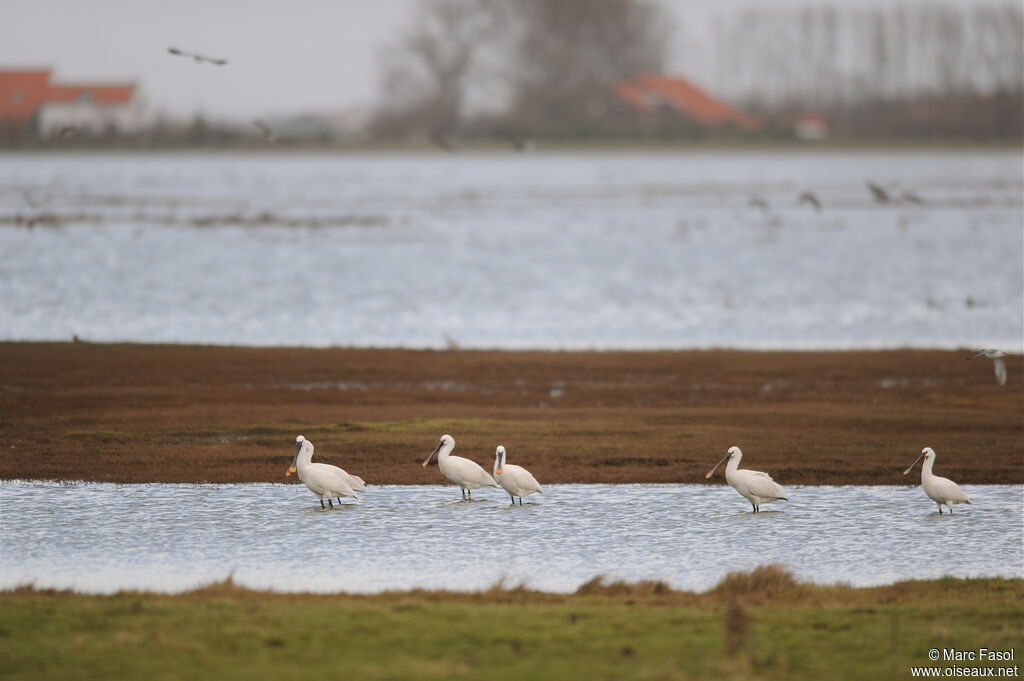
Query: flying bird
pixel 880 193
pixel 811 199
pixel 998 362
pixel 198 58
pixel 268 132
pixel 911 197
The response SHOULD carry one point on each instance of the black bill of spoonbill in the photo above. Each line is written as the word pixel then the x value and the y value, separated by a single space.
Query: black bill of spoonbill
pixel 515 480
pixel 942 491
pixel 322 479
pixel 998 362
pixel 757 487
pixel 468 475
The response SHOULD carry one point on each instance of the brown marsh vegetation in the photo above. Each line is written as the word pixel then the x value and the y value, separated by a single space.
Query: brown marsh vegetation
pixel 149 413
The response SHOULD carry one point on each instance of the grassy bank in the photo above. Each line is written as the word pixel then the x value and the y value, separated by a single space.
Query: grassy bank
pixel 762 625
pixel 142 413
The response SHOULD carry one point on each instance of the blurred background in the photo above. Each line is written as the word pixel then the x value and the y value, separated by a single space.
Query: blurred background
pixel 508 72
pixel 514 173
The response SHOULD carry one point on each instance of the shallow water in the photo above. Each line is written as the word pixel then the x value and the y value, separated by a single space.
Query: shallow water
pixel 106 537
pixel 607 250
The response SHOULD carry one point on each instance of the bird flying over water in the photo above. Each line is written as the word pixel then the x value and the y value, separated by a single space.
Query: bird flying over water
pixel 880 193
pixel 998 362
pixel 810 198
pixel 198 58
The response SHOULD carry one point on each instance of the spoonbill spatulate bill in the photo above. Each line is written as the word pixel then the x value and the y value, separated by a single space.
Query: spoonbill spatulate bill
pixel 322 479
pixel 942 491
pixel 468 475
pixel 756 487
pixel 515 480
pixel 998 362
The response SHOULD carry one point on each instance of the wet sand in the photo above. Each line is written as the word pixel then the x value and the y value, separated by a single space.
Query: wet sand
pixel 147 413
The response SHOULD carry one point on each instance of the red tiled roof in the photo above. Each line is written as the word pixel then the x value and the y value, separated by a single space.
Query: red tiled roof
pixel 647 91
pixel 99 94
pixel 22 92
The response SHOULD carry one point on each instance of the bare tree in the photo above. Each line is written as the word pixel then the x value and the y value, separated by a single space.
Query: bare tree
pixel 426 76
pixel 567 55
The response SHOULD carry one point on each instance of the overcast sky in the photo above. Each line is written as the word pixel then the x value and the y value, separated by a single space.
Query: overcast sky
pixel 285 56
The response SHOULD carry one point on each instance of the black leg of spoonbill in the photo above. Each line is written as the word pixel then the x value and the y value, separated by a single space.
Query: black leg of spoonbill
pixel 331 503
pixel 322 504
pixel 520 501
pixel 513 499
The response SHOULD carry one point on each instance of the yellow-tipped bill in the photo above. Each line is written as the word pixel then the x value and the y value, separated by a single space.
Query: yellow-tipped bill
pixel 291 469
pixel 497 471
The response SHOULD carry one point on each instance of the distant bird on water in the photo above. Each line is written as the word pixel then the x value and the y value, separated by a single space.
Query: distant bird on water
pixel 942 491
pixel 880 193
pixel 998 362
pixel 757 487
pixel 198 58
pixel 811 199
pixel 911 197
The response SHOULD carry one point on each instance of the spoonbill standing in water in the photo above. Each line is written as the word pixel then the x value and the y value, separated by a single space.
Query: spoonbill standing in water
pixel 515 480
pixel 757 487
pixel 468 475
pixel 322 479
pixel 940 490
pixel 998 362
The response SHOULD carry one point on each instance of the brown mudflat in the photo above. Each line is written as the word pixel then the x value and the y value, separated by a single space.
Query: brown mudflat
pixel 145 413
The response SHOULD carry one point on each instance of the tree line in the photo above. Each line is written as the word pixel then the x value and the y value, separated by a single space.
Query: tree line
pixel 550 67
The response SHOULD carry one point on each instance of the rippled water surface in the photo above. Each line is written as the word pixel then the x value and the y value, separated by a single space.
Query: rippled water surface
pixel 552 250
pixel 105 537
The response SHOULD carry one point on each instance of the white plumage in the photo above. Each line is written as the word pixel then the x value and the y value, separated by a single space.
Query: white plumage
pixel 515 480
pixel 322 479
pixel 757 487
pixel 468 475
pixel 998 362
pixel 942 491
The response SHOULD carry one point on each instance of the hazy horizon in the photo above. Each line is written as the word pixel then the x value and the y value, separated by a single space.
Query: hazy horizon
pixel 284 57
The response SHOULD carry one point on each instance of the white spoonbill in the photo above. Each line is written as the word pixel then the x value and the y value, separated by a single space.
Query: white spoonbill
pixel 468 475
pixel 321 479
pixel 515 480
pixel 940 490
pixel 998 362
pixel 757 487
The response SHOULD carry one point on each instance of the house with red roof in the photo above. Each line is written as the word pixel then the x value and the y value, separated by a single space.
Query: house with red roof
pixel 30 101
pixel 657 95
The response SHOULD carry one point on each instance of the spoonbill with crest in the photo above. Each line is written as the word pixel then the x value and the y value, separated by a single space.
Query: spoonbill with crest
pixel 322 479
pixel 468 475
pixel 515 480
pixel 940 490
pixel 757 487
